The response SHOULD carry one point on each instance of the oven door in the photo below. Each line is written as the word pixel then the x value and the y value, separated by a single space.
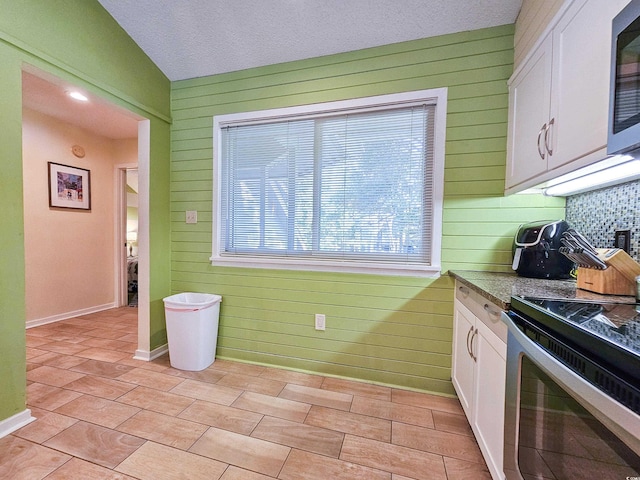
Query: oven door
pixel 558 425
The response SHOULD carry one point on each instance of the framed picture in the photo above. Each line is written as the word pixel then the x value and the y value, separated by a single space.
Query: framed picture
pixel 69 187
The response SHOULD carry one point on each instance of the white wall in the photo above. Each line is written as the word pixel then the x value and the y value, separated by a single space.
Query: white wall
pixel 69 254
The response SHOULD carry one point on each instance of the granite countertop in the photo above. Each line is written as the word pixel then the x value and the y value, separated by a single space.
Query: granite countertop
pixel 499 287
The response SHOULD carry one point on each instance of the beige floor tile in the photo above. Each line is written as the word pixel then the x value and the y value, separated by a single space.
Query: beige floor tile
pixel 300 436
pixel 36 341
pixel 393 411
pixel 97 410
pixel 447 444
pixel 156 400
pixel 101 354
pixel 265 386
pixel 153 462
pixel 237 367
pixel 221 416
pixel 289 376
pixel 235 473
pixel 425 400
pixel 207 375
pixel 167 421
pixel 451 422
pixel 95 444
pixel 45 426
pixel 54 398
pixel 37 390
pixel 68 336
pixel 56 377
pixel 170 431
pixel 24 460
pixel 151 379
pixel 353 423
pixel 357 388
pixel 394 458
pixel 154 365
pixel 273 406
pixel 317 396
pixel 129 338
pixel 65 348
pixel 309 466
pixel 108 333
pixel 59 360
pixel 31 366
pixel 107 343
pixel 33 353
pixel 461 470
pixel 245 452
pixel 76 469
pixel 101 369
pixel 207 392
pixel 100 387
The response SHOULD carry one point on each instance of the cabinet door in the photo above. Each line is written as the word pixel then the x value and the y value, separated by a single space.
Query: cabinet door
pixel 580 91
pixel 529 97
pixel 463 368
pixel 489 396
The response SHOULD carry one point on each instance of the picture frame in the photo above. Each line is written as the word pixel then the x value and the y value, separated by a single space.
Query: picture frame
pixel 69 187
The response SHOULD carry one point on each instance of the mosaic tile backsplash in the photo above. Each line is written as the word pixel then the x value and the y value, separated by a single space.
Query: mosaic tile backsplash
pixel 598 214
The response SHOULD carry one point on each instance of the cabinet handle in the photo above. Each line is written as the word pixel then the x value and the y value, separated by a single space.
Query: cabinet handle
pixel 464 290
pixel 475 334
pixel 542 129
pixel 491 311
pixel 468 342
pixel 546 136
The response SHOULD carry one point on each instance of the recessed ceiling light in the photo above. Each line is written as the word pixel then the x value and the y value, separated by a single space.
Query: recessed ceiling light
pixel 77 96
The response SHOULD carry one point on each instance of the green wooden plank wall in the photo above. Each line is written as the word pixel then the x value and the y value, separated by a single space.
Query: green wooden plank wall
pixel 383 329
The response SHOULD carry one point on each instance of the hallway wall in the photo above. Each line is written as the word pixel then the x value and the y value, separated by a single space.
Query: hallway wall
pixel 69 254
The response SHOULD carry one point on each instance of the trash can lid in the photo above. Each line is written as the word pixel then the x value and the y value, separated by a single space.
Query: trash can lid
pixel 189 299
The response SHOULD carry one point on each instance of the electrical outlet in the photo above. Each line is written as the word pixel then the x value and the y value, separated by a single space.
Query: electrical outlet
pixel 192 216
pixel 320 321
pixel 622 239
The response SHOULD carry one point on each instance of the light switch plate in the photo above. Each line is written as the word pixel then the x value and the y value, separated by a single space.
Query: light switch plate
pixel 192 216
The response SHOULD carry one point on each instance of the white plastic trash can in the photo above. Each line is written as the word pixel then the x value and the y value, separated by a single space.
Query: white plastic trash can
pixel 192 329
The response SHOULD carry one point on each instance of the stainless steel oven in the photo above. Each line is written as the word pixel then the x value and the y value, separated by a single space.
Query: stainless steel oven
pixel 572 406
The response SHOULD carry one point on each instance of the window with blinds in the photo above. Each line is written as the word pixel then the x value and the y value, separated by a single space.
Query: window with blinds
pixel 319 185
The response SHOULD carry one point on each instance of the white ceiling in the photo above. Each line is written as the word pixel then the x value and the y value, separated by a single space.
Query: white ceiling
pixel 47 94
pixel 196 38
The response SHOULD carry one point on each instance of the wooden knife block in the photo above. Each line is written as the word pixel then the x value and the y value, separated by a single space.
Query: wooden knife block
pixel 618 279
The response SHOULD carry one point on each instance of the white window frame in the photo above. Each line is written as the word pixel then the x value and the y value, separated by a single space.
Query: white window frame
pixel 436 96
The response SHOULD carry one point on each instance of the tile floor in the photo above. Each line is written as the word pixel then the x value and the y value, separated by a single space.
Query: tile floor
pixel 102 415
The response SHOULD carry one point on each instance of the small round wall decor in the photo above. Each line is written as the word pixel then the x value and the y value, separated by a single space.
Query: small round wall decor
pixel 78 151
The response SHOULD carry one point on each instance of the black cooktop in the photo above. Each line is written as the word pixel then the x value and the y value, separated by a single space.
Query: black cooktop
pixel 609 331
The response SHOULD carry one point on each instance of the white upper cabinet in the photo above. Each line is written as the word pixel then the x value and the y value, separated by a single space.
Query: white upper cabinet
pixel 566 76
pixel 529 114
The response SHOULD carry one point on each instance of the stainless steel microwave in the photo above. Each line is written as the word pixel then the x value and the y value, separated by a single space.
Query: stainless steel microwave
pixel 624 100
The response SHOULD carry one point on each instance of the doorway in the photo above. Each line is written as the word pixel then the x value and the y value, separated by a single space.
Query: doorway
pixel 71 255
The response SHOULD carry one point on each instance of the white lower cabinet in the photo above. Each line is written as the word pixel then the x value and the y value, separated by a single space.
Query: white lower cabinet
pixel 479 366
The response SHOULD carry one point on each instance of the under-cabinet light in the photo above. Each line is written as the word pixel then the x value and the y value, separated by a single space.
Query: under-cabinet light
pixel 77 96
pixel 613 171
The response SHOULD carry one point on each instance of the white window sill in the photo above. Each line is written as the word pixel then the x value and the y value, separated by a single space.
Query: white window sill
pixel 372 268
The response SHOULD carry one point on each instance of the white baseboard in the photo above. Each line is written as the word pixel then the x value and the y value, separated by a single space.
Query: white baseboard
pixel 11 424
pixel 152 355
pixel 64 316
